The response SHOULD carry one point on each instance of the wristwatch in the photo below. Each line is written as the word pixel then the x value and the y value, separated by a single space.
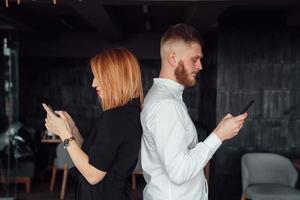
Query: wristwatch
pixel 67 141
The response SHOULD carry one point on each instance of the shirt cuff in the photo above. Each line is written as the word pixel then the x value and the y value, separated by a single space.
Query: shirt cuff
pixel 213 142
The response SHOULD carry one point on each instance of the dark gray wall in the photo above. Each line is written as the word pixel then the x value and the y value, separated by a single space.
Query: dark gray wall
pixel 62 83
pixel 263 65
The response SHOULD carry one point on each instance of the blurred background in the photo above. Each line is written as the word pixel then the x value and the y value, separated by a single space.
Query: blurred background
pixel 252 51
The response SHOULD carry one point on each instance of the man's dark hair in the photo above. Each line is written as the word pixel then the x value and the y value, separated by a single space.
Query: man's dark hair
pixel 182 32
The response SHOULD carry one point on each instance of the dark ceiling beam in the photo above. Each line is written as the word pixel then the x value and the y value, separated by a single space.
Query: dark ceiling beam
pixel 94 13
pixel 17 24
pixel 159 2
pixel 184 2
pixel 28 26
pixel 205 17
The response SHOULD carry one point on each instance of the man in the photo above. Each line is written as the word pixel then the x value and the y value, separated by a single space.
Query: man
pixel 172 158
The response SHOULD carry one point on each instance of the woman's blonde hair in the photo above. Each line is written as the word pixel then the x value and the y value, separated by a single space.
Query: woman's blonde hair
pixel 119 75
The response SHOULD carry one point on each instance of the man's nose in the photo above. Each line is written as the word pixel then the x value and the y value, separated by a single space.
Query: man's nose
pixel 199 66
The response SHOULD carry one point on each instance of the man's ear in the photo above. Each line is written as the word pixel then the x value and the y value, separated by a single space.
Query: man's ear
pixel 172 59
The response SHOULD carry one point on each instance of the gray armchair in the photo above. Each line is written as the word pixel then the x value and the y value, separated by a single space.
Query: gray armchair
pixel 63 162
pixel 268 176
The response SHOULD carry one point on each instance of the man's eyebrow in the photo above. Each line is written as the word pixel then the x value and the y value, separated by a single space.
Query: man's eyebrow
pixel 196 57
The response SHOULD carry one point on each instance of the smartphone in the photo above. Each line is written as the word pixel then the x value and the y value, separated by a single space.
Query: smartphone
pixel 247 107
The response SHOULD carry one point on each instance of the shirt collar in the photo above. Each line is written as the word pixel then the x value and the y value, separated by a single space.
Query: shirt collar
pixel 173 85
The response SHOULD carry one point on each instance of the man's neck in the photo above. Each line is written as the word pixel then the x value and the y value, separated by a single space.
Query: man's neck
pixel 167 73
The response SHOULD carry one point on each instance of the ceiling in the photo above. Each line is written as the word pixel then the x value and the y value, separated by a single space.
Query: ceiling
pixel 116 20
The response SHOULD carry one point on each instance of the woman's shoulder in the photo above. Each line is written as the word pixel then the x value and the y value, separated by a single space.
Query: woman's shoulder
pixel 121 116
pixel 130 108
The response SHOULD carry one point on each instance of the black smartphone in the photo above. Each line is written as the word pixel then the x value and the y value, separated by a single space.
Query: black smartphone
pixel 247 107
pixel 50 108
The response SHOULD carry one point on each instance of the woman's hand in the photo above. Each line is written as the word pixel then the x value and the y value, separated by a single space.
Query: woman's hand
pixel 70 121
pixel 62 125
pixel 74 129
pixel 57 124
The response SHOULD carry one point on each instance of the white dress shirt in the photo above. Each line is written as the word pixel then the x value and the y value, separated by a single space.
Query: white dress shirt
pixel 172 159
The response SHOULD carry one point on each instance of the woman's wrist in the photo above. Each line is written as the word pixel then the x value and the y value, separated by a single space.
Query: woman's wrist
pixel 66 136
pixel 75 131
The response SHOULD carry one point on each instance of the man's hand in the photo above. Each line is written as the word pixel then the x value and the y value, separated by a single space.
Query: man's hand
pixel 229 126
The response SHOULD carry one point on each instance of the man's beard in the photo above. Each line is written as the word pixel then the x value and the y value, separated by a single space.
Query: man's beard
pixel 183 77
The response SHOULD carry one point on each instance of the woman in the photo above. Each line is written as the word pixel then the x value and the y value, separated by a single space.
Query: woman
pixel 109 154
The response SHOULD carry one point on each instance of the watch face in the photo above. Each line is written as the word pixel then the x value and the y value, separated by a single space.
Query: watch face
pixel 67 141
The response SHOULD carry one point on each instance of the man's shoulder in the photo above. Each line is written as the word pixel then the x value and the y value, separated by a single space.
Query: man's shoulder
pixel 157 103
pixel 157 96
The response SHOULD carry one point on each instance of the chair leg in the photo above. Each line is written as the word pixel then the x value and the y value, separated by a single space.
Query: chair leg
pixel 64 182
pixel 133 178
pixel 53 178
pixel 243 196
pixel 28 185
